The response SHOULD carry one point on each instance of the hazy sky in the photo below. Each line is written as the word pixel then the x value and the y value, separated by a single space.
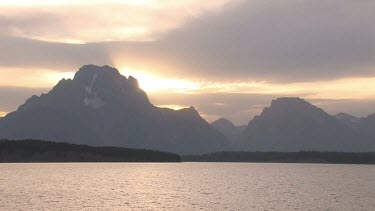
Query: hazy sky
pixel 228 58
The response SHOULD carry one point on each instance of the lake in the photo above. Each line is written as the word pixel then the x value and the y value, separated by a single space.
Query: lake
pixel 186 186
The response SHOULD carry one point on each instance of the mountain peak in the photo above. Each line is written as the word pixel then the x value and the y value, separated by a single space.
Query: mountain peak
pixel 229 130
pixel 288 101
pixel 223 122
pixel 94 68
pixel 371 116
pixel 348 119
pixel 86 73
pixel 93 87
pixel 292 124
pixel 191 111
pixel 342 115
pixel 292 105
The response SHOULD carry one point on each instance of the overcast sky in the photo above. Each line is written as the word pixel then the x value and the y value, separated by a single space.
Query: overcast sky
pixel 228 58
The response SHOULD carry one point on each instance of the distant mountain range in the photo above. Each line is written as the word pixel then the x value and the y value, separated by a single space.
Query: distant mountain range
pixel 230 131
pixel 293 124
pixel 101 107
pixel 365 125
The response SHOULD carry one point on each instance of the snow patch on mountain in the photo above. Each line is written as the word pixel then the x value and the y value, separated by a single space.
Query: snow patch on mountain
pixel 91 99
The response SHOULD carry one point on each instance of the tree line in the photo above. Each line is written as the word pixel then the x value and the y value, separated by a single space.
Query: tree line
pixel 286 157
pixel 48 151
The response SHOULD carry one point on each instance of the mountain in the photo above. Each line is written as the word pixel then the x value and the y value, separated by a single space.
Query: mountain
pixel 101 107
pixel 229 130
pixel 349 120
pixel 367 126
pixel 293 124
pixel 364 125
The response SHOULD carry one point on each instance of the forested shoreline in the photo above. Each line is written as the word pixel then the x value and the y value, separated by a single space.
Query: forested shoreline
pixel 14 151
pixel 285 157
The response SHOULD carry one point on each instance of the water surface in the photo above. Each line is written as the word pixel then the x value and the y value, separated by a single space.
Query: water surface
pixel 186 186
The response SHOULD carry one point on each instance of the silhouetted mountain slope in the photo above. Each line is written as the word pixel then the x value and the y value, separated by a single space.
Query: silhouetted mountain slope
pixel 293 124
pixel 349 120
pixel 367 126
pixel 229 130
pixel 47 151
pixel 102 107
pixel 364 125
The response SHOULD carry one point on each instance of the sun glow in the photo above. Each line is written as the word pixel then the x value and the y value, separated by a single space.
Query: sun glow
pixel 360 88
pixel 153 83
pixel 54 77
pixel 24 77
pixel 2 113
pixel 174 107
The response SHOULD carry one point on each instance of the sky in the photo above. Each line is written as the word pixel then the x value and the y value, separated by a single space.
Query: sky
pixel 227 58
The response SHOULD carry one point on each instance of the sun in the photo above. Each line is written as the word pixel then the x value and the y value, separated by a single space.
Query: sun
pixel 153 83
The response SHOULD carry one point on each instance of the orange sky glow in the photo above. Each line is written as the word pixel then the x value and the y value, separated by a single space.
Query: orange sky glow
pixel 344 88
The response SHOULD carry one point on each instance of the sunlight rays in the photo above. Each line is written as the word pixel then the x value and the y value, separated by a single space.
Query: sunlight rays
pixel 153 83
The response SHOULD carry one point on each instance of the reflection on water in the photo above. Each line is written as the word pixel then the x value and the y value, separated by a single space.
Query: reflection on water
pixel 186 186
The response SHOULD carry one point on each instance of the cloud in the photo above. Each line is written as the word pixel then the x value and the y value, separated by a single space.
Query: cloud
pixel 32 78
pixel 284 41
pixel 82 22
pixel 26 53
pixel 278 41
